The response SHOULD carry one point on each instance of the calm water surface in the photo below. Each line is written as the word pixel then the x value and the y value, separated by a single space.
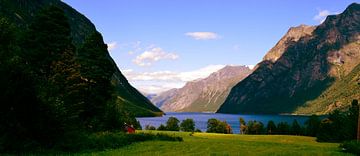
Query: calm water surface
pixel 232 119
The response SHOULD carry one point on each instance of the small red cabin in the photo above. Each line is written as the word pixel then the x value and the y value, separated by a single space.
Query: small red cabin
pixel 129 128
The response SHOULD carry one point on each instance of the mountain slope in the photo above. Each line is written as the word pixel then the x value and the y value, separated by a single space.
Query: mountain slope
pixel 306 68
pixel 203 95
pixel 21 12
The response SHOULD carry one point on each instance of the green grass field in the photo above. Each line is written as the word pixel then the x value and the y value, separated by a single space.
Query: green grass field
pixel 227 144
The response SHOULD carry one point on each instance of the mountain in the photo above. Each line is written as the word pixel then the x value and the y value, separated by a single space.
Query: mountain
pixel 296 77
pixel 203 95
pixel 163 97
pixel 22 12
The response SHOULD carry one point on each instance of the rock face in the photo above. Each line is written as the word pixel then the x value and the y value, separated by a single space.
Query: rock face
pixel 301 69
pixel 293 35
pixel 204 95
pixel 21 13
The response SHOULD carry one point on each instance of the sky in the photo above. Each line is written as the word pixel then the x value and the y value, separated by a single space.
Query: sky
pixel 162 44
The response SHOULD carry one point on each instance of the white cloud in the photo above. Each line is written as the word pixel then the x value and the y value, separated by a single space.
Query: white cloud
pixel 322 14
pixel 202 35
pixel 148 57
pixel 156 82
pixel 112 46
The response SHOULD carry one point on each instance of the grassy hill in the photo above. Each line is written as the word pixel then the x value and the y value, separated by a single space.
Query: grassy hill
pixel 228 144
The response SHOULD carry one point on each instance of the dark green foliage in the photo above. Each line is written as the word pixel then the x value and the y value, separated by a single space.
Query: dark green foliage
pixel 217 126
pixel 271 127
pixel 339 126
pixel 48 95
pixel 295 128
pixel 255 127
pixel 172 124
pixel 351 147
pixel 283 128
pixel 312 125
pixel 150 127
pixel 187 125
pixel 161 128
pixel 198 130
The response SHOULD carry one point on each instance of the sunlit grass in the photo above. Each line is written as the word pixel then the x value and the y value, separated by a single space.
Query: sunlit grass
pixel 227 144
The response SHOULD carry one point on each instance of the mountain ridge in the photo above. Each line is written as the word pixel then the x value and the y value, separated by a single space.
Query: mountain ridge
pixel 304 70
pixel 202 95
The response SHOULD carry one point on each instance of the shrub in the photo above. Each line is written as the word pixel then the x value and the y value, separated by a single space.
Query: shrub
pixel 198 130
pixel 187 125
pixel 351 147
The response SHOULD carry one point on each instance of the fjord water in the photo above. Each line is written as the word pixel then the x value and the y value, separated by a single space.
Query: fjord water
pixel 232 119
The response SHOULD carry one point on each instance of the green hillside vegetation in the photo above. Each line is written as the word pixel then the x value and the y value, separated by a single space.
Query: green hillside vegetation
pixel 338 96
pixel 21 14
pixel 59 83
pixel 227 144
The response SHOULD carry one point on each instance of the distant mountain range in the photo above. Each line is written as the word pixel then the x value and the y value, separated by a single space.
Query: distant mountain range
pixel 203 95
pixel 310 70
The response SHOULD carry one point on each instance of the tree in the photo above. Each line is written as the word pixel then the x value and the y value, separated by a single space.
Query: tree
pixel 295 128
pixel 172 124
pixel 283 128
pixel 161 128
pixel 187 125
pixel 255 127
pixel 243 126
pixel 312 125
pixel 271 127
pixel 355 103
pixel 216 126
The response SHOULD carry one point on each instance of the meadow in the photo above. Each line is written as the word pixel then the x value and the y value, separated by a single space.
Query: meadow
pixel 226 144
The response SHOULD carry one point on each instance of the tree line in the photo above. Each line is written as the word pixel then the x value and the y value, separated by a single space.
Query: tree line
pixel 336 127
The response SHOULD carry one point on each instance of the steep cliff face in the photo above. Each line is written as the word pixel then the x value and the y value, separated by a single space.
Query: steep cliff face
pixel 306 68
pixel 203 95
pixel 21 12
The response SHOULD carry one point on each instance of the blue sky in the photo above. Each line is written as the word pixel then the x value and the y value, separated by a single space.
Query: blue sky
pixel 161 44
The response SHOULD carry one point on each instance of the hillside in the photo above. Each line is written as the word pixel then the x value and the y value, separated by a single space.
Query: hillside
pixel 21 13
pixel 204 95
pixel 305 70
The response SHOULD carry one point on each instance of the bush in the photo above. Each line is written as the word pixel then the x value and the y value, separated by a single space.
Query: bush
pixel 351 147
pixel 172 124
pixel 198 130
pixel 187 125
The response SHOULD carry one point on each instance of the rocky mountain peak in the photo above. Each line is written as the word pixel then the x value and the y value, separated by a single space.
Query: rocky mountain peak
pixel 292 35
